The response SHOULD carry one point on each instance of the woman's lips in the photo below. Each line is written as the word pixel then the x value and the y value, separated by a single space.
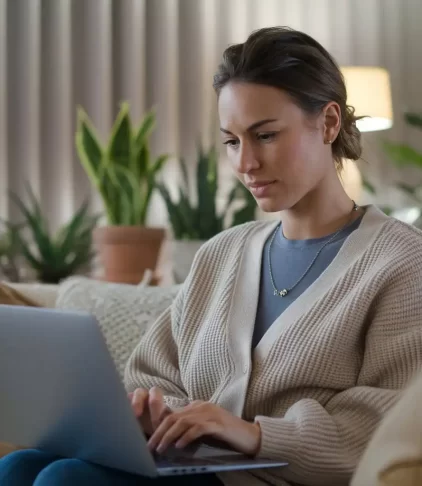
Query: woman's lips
pixel 260 189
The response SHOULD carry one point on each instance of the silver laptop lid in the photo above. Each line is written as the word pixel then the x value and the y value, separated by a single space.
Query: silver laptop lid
pixel 61 392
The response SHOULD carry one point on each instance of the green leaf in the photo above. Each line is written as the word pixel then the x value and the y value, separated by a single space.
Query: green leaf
pixel 232 195
pixel 185 174
pixel 413 119
pixel 145 129
pixel 88 147
pixel 142 161
pixel 141 153
pixel 150 185
pixel 158 165
pixel 129 195
pixel 409 190
pixel 36 224
pixel 119 148
pixel 207 185
pixel 190 217
pixel 387 210
pixel 247 212
pixel 30 258
pixel 70 234
pixel 54 257
pixel 368 186
pixel 177 218
pixel 126 148
pixel 403 154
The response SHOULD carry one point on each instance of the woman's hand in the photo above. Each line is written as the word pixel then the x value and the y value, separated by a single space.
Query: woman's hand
pixel 206 419
pixel 149 408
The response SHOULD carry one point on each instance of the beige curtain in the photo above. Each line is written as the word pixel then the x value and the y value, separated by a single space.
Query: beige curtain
pixel 55 54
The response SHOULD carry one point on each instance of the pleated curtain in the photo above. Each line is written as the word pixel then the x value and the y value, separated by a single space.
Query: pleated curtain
pixel 57 54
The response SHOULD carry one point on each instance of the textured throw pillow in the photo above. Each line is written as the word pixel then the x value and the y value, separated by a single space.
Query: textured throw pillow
pixel 124 312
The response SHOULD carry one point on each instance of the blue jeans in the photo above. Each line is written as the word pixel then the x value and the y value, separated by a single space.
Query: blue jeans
pixel 36 468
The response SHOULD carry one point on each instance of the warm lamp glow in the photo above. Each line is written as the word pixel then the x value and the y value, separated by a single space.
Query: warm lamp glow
pixel 369 92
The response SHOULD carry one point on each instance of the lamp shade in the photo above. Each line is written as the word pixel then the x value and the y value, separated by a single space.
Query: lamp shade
pixel 369 92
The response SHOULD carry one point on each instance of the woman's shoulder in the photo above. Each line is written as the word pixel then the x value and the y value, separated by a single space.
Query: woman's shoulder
pixel 400 242
pixel 404 236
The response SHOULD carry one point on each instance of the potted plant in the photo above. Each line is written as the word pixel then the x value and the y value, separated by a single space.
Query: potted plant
pixel 9 253
pixel 193 223
pixel 53 257
pixel 404 155
pixel 124 174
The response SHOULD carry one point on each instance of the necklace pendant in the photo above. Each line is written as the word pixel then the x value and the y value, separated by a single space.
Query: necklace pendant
pixel 275 292
pixel 283 293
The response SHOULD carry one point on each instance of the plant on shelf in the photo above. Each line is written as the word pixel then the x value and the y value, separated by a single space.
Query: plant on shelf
pixel 54 257
pixel 124 174
pixel 195 222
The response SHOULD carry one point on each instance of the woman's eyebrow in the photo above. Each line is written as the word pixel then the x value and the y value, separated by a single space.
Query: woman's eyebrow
pixel 253 126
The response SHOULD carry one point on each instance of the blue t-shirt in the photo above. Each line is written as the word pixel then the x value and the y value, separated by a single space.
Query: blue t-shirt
pixel 289 261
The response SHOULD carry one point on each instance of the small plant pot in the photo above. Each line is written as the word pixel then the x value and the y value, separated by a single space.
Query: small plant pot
pixel 184 252
pixel 126 252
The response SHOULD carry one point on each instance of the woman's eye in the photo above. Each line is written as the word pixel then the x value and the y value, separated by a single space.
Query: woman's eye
pixel 266 137
pixel 231 143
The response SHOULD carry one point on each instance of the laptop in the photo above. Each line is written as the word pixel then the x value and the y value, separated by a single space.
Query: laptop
pixel 61 392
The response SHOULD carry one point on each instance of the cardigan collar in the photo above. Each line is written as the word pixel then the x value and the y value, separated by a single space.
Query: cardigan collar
pixel 246 290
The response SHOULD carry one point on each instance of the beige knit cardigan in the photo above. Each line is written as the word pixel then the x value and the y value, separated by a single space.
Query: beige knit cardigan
pixel 325 372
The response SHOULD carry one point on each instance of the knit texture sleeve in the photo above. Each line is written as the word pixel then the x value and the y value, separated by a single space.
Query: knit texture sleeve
pixel 154 362
pixel 394 454
pixel 324 442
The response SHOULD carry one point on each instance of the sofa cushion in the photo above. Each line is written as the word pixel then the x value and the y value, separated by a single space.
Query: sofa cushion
pixel 124 312
pixel 43 295
pixel 11 296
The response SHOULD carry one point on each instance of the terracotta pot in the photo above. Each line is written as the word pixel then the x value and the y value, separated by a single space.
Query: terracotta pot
pixel 125 252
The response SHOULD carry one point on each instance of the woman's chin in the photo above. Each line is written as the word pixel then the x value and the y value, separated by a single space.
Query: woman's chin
pixel 269 205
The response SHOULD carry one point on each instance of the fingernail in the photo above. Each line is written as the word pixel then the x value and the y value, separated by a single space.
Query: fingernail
pixel 160 449
pixel 178 445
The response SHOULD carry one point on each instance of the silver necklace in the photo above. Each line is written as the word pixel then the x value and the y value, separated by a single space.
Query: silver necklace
pixel 284 292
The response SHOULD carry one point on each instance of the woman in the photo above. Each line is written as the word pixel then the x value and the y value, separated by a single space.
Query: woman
pixel 289 340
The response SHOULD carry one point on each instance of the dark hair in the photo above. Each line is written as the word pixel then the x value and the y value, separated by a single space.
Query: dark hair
pixel 300 66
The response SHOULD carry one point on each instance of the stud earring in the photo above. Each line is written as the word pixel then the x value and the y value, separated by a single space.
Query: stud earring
pixel 329 142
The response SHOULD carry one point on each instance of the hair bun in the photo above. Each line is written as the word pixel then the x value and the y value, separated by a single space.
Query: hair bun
pixel 348 142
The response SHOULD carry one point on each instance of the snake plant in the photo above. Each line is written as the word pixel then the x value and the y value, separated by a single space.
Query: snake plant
pixel 201 220
pixel 54 257
pixel 123 171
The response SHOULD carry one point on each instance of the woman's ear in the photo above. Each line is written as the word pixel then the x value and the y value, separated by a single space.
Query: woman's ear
pixel 332 121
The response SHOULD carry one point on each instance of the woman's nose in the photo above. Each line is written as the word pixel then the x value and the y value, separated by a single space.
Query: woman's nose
pixel 246 160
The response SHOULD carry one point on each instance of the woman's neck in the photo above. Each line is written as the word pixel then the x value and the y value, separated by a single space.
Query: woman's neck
pixel 319 214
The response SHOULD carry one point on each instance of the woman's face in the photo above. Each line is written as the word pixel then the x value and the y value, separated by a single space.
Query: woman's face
pixel 277 150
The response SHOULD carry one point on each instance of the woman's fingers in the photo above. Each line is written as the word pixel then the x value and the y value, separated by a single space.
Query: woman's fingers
pixel 193 433
pixel 157 408
pixel 139 399
pixel 169 431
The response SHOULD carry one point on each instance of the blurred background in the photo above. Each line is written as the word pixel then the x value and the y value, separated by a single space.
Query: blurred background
pixel 56 55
